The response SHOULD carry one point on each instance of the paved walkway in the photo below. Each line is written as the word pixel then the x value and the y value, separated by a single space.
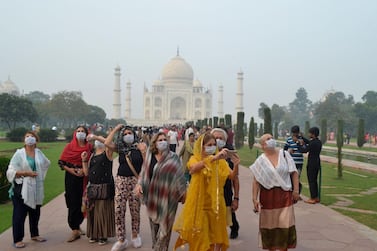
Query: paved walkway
pixel 319 229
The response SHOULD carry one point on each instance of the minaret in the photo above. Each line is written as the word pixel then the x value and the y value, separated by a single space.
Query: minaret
pixel 127 113
pixel 239 94
pixel 220 102
pixel 116 104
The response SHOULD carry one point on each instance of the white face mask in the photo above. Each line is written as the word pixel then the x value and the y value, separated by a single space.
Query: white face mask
pixel 162 145
pixel 80 135
pixel 99 144
pixel 271 144
pixel 128 138
pixel 30 141
pixel 210 150
pixel 220 143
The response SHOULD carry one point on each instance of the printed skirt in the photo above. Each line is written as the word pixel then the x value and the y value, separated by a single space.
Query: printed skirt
pixel 277 228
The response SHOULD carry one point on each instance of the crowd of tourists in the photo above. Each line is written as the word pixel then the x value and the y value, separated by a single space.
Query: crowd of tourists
pixel 158 172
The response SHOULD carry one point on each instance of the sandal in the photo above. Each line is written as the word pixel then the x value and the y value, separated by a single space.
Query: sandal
pixel 38 239
pixel 19 244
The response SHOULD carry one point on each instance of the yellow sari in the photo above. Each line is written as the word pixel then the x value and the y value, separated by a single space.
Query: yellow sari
pixel 202 222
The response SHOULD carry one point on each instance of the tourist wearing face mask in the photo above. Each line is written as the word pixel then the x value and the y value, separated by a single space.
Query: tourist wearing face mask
pixel 273 195
pixel 70 161
pixel 202 223
pixel 26 172
pixel 162 186
pixel 232 187
pixel 130 163
pixel 100 209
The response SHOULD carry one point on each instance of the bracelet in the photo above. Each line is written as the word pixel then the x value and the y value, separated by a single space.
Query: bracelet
pixel 295 191
pixel 84 161
pixel 236 198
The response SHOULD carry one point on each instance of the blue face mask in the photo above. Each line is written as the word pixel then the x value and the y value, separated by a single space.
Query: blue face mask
pixel 209 150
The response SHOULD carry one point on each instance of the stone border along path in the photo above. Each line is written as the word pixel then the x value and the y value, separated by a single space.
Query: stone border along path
pixel 344 203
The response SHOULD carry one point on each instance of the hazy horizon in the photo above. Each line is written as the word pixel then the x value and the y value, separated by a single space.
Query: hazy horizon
pixel 279 45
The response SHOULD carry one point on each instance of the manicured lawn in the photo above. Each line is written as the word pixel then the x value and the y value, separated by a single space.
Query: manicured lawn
pixel 352 184
pixel 54 183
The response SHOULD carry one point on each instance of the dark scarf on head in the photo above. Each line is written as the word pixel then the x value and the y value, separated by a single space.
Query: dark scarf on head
pixel 122 147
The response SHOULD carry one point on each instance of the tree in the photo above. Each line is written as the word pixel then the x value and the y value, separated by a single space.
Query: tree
pixel 215 121
pixel 68 108
pixel 307 127
pixel 95 115
pixel 334 107
pixel 368 110
pixel 221 121
pixel 323 131
pixel 277 113
pixel 267 121
pixel 255 129
pixel 251 136
pixel 260 132
pixel 300 108
pixel 360 133
pixel 15 110
pixel 37 97
pixel 339 144
pixel 240 130
pixel 261 110
pixel 228 120
pixel 205 122
pixel 276 130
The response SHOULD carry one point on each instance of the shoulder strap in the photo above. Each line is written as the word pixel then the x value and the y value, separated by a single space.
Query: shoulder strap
pixel 131 166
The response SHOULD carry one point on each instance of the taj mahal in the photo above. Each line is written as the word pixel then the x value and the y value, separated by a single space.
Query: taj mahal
pixel 176 97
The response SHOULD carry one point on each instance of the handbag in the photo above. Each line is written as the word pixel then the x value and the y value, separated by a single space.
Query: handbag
pixel 100 191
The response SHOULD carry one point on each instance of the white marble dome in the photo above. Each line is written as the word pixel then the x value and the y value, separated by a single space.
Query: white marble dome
pixel 9 87
pixel 177 69
pixel 197 83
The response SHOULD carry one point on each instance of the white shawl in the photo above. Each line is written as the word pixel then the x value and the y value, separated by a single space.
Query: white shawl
pixel 32 189
pixel 269 176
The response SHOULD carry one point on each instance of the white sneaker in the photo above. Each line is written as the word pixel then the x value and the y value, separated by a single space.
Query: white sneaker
pixel 119 246
pixel 136 242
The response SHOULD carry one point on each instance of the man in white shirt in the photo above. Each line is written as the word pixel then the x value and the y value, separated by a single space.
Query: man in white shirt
pixel 173 138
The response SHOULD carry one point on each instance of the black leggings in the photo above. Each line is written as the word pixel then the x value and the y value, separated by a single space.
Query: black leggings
pixel 73 199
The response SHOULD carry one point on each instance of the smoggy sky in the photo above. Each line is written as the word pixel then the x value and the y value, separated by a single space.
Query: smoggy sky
pixel 280 46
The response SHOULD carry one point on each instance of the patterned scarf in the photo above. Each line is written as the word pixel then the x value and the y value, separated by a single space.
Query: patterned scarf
pixel 121 145
pixel 163 192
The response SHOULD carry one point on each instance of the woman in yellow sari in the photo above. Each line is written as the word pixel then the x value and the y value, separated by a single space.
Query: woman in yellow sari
pixel 202 223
